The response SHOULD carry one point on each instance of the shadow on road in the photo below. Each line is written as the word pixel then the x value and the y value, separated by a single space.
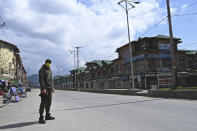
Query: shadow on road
pixel 18 125
pixel 107 105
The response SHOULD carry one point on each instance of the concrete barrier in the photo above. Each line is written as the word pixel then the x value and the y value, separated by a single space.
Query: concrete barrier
pixel 106 91
pixel 180 94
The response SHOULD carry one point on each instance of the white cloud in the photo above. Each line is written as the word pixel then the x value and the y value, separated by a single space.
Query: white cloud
pixel 49 28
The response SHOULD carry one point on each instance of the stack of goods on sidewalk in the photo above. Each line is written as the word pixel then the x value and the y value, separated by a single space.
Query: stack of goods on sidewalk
pixel 11 91
pixel 15 92
pixel 1 93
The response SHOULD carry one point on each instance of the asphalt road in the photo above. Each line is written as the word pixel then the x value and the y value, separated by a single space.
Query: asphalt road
pixel 81 111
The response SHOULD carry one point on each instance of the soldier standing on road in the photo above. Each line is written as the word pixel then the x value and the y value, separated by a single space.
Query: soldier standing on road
pixel 46 86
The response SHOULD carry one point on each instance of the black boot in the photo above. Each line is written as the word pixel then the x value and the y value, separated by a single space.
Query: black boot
pixel 49 117
pixel 41 120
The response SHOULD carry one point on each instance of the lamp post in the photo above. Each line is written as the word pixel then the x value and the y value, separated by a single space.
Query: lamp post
pixel 58 68
pixel 73 52
pixel 129 3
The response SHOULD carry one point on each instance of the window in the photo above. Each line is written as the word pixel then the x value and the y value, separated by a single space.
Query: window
pixel 182 61
pixel 1 71
pixel 117 68
pixel 141 65
pixel 165 47
pixel 1 46
pixel 126 54
pixel 152 64
pixel 143 45
pixel 190 63
pixel 127 68
pixel 166 63
pixel 13 60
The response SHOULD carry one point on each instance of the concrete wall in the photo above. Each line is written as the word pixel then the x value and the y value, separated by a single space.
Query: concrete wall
pixel 181 94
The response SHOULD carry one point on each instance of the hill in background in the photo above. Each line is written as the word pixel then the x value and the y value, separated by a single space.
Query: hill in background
pixel 33 80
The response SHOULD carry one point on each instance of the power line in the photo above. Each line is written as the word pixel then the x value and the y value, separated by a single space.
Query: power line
pixel 111 55
pixel 151 28
pixel 191 4
pixel 185 14
pixel 58 68
pixel 8 40
pixel 157 23
pixel 11 36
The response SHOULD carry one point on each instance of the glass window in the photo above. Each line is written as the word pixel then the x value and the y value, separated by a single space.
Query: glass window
pixel 126 54
pixel 166 63
pixel 152 64
pixel 190 63
pixel 164 46
pixel 182 61
pixel 141 65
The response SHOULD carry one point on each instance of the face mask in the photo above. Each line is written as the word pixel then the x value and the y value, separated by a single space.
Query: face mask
pixel 48 64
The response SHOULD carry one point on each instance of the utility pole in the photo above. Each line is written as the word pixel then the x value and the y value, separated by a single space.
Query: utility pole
pixel 73 52
pixel 58 68
pixel 172 49
pixel 21 69
pixel 127 2
pixel 28 70
pixel 78 65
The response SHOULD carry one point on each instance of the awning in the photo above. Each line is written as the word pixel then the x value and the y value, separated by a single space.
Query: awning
pixel 4 78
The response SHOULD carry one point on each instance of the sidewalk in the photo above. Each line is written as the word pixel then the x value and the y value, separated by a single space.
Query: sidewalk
pixel 2 98
pixel 1 101
pixel 111 91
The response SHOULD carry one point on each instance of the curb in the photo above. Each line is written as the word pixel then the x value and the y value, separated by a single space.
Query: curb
pixel 108 91
pixel 177 94
pixel 1 102
pixel 2 105
pixel 2 98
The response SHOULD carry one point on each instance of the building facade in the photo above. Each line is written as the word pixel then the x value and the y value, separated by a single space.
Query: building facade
pixel 152 66
pixel 11 67
pixel 152 63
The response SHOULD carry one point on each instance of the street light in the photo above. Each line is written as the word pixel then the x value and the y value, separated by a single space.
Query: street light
pixel 130 48
pixel 58 68
pixel 73 52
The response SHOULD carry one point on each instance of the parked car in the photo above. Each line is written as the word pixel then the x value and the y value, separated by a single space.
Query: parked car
pixel 28 89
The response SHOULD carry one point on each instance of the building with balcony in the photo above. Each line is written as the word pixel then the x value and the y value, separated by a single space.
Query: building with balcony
pixel 152 62
pixel 152 66
pixel 11 67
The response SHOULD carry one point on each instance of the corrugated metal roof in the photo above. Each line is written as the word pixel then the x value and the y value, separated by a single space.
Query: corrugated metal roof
pixel 99 62
pixel 189 52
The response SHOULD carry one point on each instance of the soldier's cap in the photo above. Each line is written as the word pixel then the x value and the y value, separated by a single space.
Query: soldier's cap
pixel 48 61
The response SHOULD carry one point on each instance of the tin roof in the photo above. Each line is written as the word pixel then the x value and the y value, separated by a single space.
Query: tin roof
pixel 189 52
